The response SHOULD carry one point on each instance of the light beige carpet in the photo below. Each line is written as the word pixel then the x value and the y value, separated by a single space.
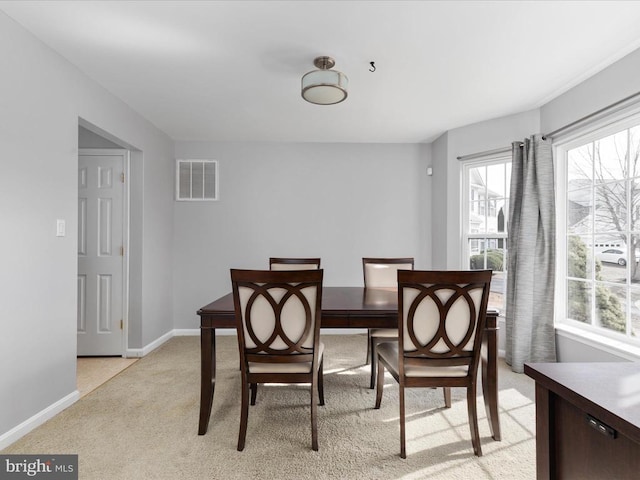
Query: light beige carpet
pixel 142 424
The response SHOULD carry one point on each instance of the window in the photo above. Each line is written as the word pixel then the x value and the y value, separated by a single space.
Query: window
pixel 485 213
pixel 196 180
pixel 599 231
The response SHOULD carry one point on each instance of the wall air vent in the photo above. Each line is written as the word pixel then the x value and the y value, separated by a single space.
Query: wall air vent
pixel 196 180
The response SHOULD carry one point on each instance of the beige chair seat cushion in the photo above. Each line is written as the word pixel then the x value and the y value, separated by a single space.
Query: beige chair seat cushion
pixel 389 351
pixel 301 367
pixel 384 332
pixel 294 266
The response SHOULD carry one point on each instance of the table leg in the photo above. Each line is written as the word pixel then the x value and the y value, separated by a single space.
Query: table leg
pixel 544 438
pixel 207 376
pixel 490 375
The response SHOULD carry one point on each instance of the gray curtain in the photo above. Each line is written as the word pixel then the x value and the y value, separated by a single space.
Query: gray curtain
pixel 531 255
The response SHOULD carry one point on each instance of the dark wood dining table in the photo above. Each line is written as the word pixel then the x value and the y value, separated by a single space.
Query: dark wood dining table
pixel 342 307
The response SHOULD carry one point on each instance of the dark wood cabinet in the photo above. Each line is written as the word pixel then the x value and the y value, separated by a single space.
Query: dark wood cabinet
pixel 587 420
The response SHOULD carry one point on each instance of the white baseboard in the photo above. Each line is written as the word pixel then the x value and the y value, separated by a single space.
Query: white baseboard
pixel 186 332
pixel 141 352
pixel 38 419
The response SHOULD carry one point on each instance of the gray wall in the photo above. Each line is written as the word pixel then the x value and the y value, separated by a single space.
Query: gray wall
pixel 576 349
pixel 605 88
pixel 439 197
pixel 339 202
pixel 43 98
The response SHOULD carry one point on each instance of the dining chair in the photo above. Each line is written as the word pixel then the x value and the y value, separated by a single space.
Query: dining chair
pixel 441 317
pixel 278 323
pixel 294 263
pixel 289 263
pixel 381 273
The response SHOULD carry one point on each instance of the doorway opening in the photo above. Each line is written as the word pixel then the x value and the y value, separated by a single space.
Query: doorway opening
pixel 101 359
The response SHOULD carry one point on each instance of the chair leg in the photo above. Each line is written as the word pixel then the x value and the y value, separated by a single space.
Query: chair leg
pixel 473 420
pixel 403 447
pixel 380 384
pixel 370 357
pixel 244 415
pixel 254 393
pixel 314 412
pixel 321 383
pixel 447 396
pixel 374 361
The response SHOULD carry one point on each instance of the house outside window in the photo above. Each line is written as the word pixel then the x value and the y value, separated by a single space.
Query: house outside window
pixel 486 184
pixel 599 232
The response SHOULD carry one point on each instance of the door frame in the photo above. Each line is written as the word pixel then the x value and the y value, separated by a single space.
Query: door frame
pixel 126 160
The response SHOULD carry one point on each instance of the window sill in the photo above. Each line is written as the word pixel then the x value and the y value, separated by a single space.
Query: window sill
pixel 609 345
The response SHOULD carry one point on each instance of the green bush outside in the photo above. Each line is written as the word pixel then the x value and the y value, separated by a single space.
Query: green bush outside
pixel 607 304
pixel 495 261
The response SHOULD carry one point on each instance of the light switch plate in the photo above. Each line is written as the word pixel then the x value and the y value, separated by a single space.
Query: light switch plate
pixel 60 228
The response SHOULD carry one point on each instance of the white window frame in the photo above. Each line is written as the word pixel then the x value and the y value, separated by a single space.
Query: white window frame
pixel 466 200
pixel 484 237
pixel 609 340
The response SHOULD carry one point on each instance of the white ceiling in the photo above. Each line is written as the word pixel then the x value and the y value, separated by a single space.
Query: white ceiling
pixel 230 70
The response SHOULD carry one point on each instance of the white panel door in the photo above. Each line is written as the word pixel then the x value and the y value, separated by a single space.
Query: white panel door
pixel 100 254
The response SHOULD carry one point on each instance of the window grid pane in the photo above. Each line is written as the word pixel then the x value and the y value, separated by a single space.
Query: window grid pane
pixel 603 234
pixel 487 185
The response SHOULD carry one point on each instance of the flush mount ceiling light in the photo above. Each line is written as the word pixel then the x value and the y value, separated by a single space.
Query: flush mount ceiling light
pixel 324 86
